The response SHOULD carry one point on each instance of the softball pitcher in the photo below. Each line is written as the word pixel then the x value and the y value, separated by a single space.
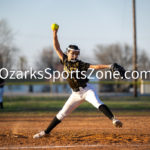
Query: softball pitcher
pixel 81 90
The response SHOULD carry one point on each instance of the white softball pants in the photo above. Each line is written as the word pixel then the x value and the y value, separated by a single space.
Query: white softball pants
pixel 76 98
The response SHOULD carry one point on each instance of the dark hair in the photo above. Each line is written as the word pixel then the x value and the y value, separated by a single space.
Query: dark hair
pixel 75 47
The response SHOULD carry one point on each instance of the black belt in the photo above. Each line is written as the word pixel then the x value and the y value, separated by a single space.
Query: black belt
pixel 78 88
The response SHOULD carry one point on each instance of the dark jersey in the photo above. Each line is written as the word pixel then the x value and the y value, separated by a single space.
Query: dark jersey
pixel 76 71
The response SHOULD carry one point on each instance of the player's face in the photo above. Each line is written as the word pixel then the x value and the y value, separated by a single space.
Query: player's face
pixel 72 55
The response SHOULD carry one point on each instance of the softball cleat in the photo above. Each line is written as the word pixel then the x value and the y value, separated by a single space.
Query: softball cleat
pixel 39 135
pixel 117 123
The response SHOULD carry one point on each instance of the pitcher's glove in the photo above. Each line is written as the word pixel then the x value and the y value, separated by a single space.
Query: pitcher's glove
pixel 116 67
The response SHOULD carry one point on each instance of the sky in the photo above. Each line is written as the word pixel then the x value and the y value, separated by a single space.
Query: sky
pixel 85 23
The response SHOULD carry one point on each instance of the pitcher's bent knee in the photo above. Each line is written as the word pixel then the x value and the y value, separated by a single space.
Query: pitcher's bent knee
pixel 61 115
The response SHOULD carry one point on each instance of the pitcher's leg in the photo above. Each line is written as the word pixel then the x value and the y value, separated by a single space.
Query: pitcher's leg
pixel 92 97
pixel 110 115
pixel 103 108
pixel 72 103
pixel 52 125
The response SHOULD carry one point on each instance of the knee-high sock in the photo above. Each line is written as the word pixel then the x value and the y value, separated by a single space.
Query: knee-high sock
pixel 106 111
pixel 52 125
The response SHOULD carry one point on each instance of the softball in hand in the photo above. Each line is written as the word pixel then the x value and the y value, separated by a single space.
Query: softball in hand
pixel 54 26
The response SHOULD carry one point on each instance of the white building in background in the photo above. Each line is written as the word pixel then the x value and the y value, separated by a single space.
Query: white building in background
pixel 145 87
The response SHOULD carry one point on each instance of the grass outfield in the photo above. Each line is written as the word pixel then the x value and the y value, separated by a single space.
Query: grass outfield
pixel 51 105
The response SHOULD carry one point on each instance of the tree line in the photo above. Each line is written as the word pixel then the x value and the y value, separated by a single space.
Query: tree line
pixel 105 54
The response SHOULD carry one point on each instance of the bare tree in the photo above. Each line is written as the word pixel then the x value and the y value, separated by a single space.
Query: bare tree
pixel 114 53
pixel 122 55
pixel 47 59
pixel 7 48
pixel 143 61
pixel 23 63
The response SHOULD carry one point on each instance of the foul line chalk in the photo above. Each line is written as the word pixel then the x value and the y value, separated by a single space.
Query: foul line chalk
pixel 71 146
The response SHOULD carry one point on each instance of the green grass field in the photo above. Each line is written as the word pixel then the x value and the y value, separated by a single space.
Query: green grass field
pixel 51 105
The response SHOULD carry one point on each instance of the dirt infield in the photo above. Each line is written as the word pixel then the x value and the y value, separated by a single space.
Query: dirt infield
pixel 75 133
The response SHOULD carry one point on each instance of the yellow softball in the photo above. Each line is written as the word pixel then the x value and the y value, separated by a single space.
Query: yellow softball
pixel 54 26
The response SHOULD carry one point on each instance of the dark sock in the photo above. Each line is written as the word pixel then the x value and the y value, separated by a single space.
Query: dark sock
pixel 106 111
pixel 52 125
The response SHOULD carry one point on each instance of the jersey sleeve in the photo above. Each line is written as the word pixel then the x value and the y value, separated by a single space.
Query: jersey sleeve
pixel 84 66
pixel 64 59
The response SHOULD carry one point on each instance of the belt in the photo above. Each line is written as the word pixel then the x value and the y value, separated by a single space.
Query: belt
pixel 78 89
